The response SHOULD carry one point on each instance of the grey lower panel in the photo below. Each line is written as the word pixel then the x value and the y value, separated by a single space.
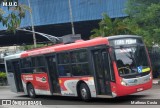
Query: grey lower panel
pixel 137 81
pixel 11 82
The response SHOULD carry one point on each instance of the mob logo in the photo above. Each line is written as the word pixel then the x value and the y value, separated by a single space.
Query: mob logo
pixel 9 4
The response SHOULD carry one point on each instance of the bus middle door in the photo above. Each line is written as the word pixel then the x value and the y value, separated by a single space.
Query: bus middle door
pixel 53 75
pixel 102 71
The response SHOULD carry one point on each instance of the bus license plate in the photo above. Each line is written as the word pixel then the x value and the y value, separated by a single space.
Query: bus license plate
pixel 139 89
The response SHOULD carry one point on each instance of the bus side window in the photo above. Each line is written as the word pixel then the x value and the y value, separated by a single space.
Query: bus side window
pixel 64 64
pixel 79 63
pixel 61 70
pixel 38 64
pixel 9 66
pixel 41 69
pixel 26 65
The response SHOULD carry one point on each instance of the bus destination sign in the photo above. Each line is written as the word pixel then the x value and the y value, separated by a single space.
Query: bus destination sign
pixel 125 41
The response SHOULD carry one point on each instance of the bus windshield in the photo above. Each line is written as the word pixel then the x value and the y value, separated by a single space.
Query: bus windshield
pixel 132 60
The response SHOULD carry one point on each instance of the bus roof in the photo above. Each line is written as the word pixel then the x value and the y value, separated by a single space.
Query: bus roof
pixel 14 56
pixel 122 36
pixel 65 47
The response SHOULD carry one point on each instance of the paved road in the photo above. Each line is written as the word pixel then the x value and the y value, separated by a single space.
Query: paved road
pixel 68 102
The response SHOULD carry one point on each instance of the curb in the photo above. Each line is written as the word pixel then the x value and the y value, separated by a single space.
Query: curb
pixel 4 87
pixel 156 82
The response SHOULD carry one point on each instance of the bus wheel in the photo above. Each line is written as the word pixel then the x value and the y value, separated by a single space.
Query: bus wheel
pixel 31 91
pixel 85 92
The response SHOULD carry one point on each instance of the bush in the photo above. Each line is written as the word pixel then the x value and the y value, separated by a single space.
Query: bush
pixel 3 79
pixel 3 75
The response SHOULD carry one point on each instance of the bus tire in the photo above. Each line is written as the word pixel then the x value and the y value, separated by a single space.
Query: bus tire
pixel 31 91
pixel 85 92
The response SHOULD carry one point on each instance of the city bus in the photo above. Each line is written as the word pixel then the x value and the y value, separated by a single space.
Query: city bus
pixel 103 67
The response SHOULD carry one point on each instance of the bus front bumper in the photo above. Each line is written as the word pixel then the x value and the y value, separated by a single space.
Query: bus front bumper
pixel 121 90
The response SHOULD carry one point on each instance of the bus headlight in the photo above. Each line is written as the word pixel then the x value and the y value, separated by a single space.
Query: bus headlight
pixel 150 77
pixel 123 83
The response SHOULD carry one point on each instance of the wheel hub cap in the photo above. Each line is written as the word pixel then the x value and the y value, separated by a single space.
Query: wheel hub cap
pixel 84 93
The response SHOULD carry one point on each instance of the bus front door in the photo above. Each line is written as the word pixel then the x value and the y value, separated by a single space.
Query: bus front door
pixel 17 73
pixel 102 71
pixel 53 76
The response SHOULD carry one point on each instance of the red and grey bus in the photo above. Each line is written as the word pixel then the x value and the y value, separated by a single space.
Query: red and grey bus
pixel 101 67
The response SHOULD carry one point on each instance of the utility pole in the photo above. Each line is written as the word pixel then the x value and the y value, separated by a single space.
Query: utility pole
pixel 34 36
pixel 71 16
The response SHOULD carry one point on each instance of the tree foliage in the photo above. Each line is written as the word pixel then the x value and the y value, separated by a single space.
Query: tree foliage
pixel 109 27
pixel 11 17
pixel 2 75
pixel 145 15
pixel 143 19
pixel 29 47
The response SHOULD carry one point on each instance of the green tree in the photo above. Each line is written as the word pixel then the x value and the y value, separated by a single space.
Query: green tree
pixel 12 19
pixel 29 47
pixel 145 15
pixel 3 78
pixel 109 27
pixel 3 75
pixel 137 7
